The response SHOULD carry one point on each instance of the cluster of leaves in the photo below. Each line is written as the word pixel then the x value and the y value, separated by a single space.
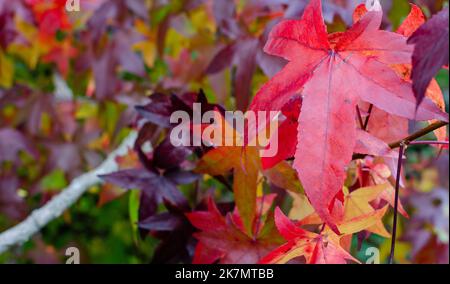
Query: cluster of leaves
pixel 72 85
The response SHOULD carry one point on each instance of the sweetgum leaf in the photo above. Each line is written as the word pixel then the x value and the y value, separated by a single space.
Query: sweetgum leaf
pixel 222 239
pixel 154 185
pixel 13 141
pixel 430 52
pixel 333 72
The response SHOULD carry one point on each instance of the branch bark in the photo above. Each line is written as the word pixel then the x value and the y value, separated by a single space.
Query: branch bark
pixel 39 218
pixel 430 128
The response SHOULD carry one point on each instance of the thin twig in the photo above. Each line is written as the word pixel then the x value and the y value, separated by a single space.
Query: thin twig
pixel 397 189
pixel 369 112
pixel 418 134
pixel 358 112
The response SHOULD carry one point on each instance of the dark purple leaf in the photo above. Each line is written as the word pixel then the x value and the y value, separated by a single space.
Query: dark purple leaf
pixel 154 185
pixel 127 58
pixel 167 156
pixel 147 207
pixel 7 30
pixel 181 177
pixel 158 111
pixel 222 59
pixel 130 178
pixel 104 68
pixel 162 222
pixel 430 52
pixel 245 67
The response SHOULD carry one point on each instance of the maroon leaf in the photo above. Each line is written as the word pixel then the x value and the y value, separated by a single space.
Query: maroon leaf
pixel 158 111
pixel 167 156
pixel 162 222
pixel 152 184
pixel 430 52
pixel 222 59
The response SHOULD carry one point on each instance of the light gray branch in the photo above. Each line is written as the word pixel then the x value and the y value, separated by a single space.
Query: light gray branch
pixel 39 218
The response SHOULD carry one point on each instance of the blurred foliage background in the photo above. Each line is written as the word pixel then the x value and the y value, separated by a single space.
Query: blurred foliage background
pixel 69 82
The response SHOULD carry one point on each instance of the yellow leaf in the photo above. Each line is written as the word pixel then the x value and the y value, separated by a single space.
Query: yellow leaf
pixel 363 222
pixel 356 204
pixel 301 208
pixel 148 50
pixel 29 31
pixel 6 71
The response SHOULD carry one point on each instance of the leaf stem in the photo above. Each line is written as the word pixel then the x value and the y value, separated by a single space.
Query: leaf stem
pixel 258 220
pixel 397 189
pixel 358 112
pixel 369 112
pixel 425 142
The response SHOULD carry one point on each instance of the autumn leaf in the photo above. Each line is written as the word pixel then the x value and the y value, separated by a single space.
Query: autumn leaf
pixel 284 176
pixel 245 163
pixel 158 176
pixel 332 73
pixel 372 172
pixel 355 215
pixel 286 130
pixel 174 230
pixel 357 207
pixel 148 46
pixel 315 248
pixel 243 160
pixel 391 127
pixel 222 239
pixel 429 58
pixel 6 71
pixel 12 142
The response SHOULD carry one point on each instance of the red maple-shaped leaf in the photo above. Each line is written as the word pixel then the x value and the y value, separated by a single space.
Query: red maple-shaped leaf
pixel 223 239
pixel 332 73
pixel 323 248
pixel 390 127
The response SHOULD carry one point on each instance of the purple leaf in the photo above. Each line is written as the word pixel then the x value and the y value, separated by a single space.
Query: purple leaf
pixel 162 222
pixel 104 72
pixel 222 59
pixel 138 7
pixel 430 52
pixel 10 203
pixel 225 15
pixel 11 142
pixel 167 156
pixel 156 186
pixel 158 111
pixel 245 67
pixel 182 177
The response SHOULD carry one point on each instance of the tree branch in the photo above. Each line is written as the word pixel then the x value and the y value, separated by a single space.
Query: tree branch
pixel 430 128
pixel 39 218
pixel 397 190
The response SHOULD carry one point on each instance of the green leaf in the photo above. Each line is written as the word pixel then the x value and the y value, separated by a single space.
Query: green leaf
pixel 133 212
pixel 54 181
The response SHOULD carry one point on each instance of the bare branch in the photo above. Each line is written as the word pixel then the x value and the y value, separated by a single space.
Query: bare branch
pixel 430 128
pixel 39 218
